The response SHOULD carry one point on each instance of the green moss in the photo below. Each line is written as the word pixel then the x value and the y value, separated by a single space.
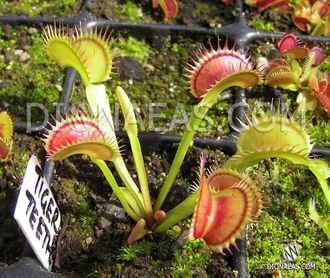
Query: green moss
pixel 30 81
pixel 285 219
pixel 320 133
pixel 133 12
pixel 38 7
pixel 134 48
pixel 194 258
pixel 325 66
pixel 261 24
pixel 1 171
pixel 201 9
pixel 86 215
pixel 133 251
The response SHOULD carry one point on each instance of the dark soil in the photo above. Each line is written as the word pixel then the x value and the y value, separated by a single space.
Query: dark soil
pixel 209 13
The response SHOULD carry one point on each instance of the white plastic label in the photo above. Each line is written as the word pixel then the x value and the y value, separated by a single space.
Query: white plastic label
pixel 37 213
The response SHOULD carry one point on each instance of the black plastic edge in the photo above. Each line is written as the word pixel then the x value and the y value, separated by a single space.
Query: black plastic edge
pixel 239 258
pixel 27 267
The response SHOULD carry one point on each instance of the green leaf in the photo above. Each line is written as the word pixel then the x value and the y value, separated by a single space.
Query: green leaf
pixel 132 202
pixel 99 103
pixel 131 128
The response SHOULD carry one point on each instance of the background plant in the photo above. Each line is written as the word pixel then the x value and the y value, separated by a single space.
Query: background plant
pixel 311 16
pixel 298 70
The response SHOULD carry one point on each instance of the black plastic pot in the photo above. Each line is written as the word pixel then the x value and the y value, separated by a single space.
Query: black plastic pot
pixel 238 31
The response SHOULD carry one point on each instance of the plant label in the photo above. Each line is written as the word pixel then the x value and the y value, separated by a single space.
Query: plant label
pixel 37 213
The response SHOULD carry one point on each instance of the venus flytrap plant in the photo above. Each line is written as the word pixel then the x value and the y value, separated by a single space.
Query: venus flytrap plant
pixel 6 134
pixel 88 52
pixel 311 16
pixel 298 71
pixel 225 197
pixel 213 72
pixel 95 136
pixel 228 200
pixel 281 137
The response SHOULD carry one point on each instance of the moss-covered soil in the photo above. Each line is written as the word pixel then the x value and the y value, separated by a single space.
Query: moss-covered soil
pixel 50 8
pixel 26 73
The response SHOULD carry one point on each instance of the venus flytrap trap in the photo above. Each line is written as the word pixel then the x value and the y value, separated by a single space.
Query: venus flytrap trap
pixel 85 50
pixel 6 134
pixel 278 136
pixel 227 202
pixel 281 137
pixel 169 7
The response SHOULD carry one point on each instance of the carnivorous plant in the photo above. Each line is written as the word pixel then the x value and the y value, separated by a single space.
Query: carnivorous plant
pixel 226 197
pixel 228 190
pixel 311 16
pixel 212 72
pixel 87 51
pixel 297 70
